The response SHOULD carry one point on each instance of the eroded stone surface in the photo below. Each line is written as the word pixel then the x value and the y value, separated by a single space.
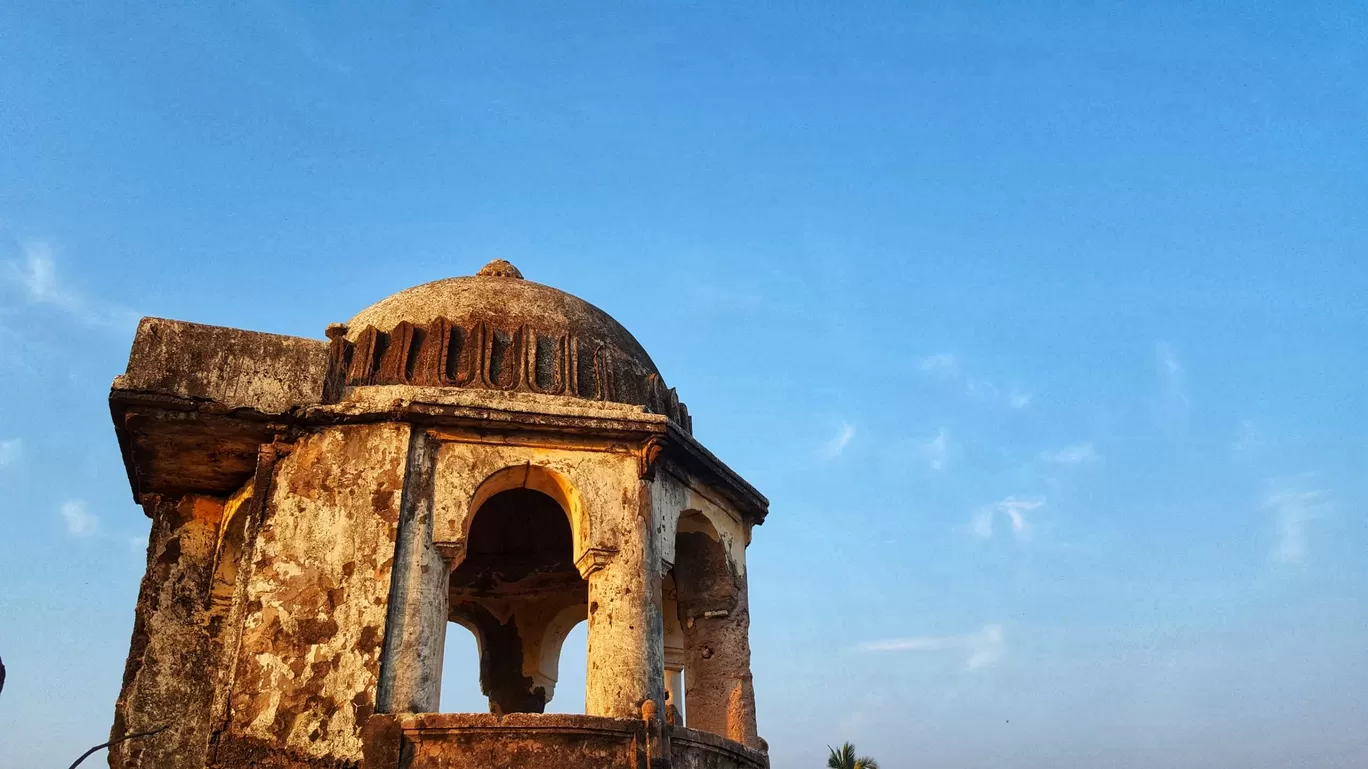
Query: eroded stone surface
pixel 309 662
pixel 169 677
pixel 269 373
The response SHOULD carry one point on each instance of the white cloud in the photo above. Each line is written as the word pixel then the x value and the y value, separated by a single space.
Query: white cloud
pixel 834 447
pixel 1172 377
pixel 981 388
pixel 946 367
pixel 986 647
pixel 1247 438
pixel 981 649
pixel 982 525
pixel 1018 399
pixel 10 451
pixel 79 521
pixel 1014 509
pixel 36 277
pixel 937 450
pixel 942 364
pixel 1292 506
pixel 1077 454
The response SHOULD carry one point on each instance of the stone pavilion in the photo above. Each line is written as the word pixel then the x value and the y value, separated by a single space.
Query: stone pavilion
pixel 485 451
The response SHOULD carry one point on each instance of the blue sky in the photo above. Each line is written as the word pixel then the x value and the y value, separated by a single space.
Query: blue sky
pixel 1041 326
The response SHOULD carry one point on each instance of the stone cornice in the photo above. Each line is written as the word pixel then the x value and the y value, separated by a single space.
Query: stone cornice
pixel 147 422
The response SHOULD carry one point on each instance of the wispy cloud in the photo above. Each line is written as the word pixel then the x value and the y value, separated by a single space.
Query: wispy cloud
pixel 943 365
pixel 1293 506
pixel 834 447
pixel 1077 454
pixel 936 451
pixel 295 34
pixel 1172 378
pixel 1247 438
pixel 10 451
pixel 1012 509
pixel 80 522
pixel 946 367
pixel 36 276
pixel 981 649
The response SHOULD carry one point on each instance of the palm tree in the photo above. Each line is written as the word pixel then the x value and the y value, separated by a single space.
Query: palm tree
pixel 845 759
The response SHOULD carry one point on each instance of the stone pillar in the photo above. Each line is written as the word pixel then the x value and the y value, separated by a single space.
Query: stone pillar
pixel 415 633
pixel 719 694
pixel 625 634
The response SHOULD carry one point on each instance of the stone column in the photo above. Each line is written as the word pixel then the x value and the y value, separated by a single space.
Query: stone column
pixel 415 632
pixel 625 635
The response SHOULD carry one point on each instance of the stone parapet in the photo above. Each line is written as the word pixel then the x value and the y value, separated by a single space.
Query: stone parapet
pixel 549 741
pixel 233 368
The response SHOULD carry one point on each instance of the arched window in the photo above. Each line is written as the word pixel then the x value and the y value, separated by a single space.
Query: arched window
pixel 574 657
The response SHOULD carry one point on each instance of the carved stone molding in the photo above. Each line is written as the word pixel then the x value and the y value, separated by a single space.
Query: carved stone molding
pixel 593 559
pixel 452 552
pixel 647 456
pixel 488 357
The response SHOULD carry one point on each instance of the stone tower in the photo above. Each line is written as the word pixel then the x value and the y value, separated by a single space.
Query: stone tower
pixel 483 450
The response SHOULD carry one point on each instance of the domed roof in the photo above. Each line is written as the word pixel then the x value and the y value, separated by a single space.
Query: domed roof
pixel 500 296
pixel 495 330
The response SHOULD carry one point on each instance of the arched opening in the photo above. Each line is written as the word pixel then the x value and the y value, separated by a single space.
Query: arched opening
pixel 515 534
pixel 461 672
pixel 702 596
pixel 574 650
pixel 519 593
pixel 675 652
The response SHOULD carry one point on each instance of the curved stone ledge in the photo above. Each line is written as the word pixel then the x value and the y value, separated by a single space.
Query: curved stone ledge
pixel 694 749
pixel 553 741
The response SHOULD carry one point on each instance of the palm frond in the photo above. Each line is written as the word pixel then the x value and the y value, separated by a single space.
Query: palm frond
pixel 843 758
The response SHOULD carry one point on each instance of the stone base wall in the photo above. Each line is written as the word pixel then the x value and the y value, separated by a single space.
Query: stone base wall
pixel 545 741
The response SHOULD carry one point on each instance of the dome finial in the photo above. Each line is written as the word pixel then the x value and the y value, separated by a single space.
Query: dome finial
pixel 499 269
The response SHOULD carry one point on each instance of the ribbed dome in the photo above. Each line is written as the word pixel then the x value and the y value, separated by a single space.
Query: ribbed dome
pixel 495 330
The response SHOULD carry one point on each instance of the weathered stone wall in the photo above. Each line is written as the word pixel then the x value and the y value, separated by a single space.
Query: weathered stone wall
pixel 308 662
pixel 170 673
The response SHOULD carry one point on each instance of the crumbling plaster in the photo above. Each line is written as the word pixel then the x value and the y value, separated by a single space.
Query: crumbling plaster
pixel 316 602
